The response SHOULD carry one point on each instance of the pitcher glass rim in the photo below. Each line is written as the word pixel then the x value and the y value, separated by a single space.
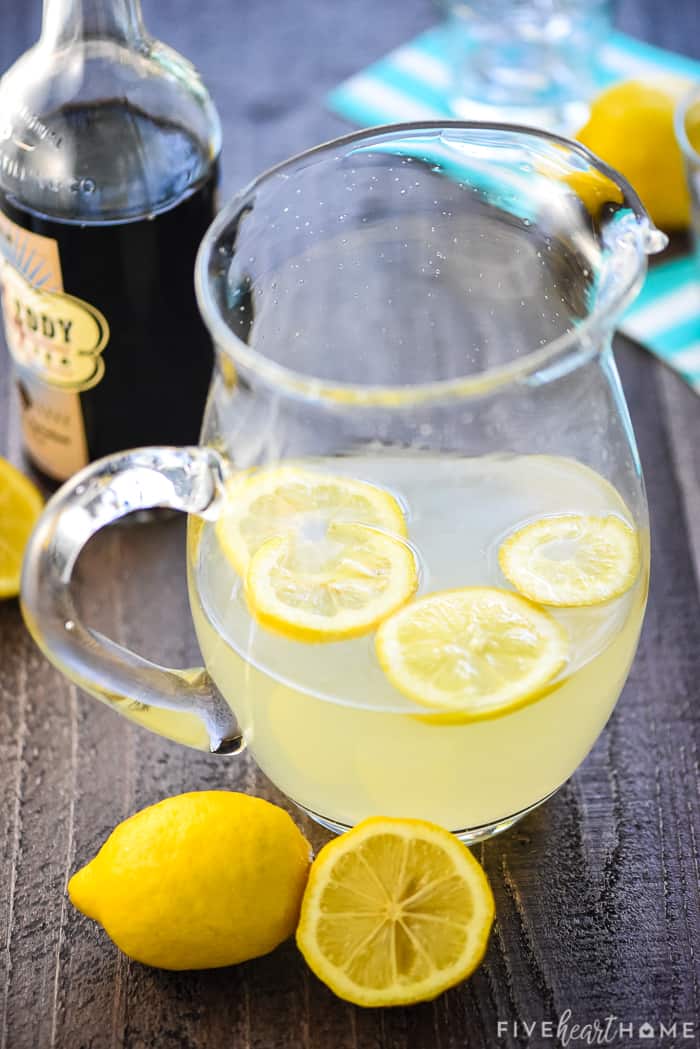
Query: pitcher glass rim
pixel 302 386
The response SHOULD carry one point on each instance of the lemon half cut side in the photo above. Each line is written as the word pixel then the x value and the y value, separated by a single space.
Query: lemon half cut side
pixel 395 911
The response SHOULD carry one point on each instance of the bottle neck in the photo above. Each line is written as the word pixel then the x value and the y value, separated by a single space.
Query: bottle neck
pixel 70 21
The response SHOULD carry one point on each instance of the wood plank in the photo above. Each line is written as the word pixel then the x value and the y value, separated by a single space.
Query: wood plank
pixel 682 410
pixel 91 970
pixel 41 732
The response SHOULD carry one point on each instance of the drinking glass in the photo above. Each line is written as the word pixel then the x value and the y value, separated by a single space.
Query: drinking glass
pixel 526 61
pixel 413 329
pixel 688 135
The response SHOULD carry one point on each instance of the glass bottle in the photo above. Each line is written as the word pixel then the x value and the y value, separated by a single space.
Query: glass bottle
pixel 109 146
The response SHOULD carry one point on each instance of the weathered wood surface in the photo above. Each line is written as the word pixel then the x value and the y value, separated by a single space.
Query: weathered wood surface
pixel 597 893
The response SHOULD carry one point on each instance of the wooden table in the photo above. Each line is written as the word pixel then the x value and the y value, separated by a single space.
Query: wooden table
pixel 597 892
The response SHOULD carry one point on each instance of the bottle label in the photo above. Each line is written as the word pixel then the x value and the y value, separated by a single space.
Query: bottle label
pixel 56 341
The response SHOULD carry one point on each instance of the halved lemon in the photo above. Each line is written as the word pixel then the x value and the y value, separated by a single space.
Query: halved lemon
pixel 394 912
pixel 571 559
pixel 480 651
pixel 269 503
pixel 20 506
pixel 338 586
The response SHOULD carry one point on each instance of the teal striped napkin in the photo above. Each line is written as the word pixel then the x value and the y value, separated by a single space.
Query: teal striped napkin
pixel 666 317
pixel 412 82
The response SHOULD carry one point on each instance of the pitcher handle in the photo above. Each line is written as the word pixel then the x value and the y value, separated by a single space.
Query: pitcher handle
pixel 183 705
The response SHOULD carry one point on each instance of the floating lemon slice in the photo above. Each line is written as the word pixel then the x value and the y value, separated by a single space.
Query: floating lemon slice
pixel 338 586
pixel 571 560
pixel 479 651
pixel 269 503
pixel 20 506
pixel 394 912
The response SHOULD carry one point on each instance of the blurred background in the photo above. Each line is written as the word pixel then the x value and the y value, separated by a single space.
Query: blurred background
pixel 269 65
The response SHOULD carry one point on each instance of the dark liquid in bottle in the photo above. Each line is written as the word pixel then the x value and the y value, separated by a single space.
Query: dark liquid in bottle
pixel 139 273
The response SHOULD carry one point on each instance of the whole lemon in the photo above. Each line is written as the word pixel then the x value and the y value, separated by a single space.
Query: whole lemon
pixel 197 881
pixel 631 128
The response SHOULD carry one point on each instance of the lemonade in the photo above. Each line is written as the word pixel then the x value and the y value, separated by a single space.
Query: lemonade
pixel 324 721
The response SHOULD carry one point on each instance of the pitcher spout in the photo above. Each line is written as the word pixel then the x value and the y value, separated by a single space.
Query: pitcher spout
pixel 629 236
pixel 653 240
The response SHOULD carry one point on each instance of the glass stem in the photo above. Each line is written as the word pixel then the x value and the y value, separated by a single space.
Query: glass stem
pixel 69 21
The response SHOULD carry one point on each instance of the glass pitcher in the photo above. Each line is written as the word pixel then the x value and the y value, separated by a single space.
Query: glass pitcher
pixel 414 378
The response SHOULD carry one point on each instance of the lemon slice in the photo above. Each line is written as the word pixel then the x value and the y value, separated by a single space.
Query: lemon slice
pixel 20 506
pixel 394 912
pixel 571 560
pixel 479 651
pixel 331 589
pixel 264 504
